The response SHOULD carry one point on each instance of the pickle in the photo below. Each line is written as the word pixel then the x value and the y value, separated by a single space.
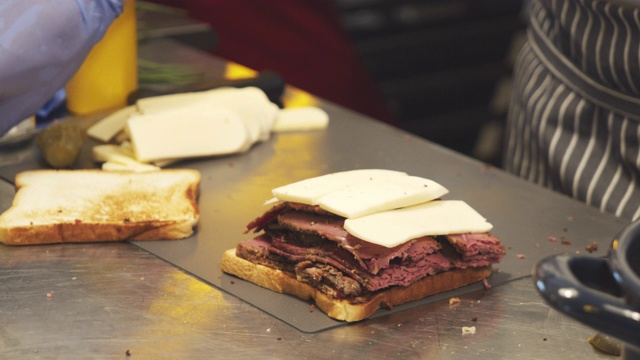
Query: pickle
pixel 60 144
pixel 605 344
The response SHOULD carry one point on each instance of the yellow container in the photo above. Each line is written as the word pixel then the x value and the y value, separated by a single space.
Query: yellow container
pixel 110 71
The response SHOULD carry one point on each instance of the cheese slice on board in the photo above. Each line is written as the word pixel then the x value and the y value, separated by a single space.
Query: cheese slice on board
pixel 310 191
pixel 381 194
pixel 395 227
pixel 361 192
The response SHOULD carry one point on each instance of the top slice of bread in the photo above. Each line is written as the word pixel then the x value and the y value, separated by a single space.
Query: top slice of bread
pixel 56 206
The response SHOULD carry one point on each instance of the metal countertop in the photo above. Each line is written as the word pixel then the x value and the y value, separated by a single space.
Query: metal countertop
pixel 107 300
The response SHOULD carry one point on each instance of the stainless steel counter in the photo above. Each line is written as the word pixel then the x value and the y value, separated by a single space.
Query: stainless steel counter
pixel 107 300
pixel 80 301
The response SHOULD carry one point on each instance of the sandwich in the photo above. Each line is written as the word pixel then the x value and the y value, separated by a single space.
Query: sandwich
pixel 356 241
pixel 60 206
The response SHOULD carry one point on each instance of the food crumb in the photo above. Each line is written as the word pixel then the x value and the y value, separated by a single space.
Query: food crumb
pixel 312 308
pixel 468 330
pixel 474 319
pixel 552 238
pixel 279 339
pixel 486 284
pixel 591 247
pixel 128 352
pixel 233 282
pixel 565 242
pixel 49 295
pixel 454 301
pixel 520 256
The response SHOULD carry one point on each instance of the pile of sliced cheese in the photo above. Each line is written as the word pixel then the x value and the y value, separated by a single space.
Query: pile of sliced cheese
pixel 160 130
pixel 385 207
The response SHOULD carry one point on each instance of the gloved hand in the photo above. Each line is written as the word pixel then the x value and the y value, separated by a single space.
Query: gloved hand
pixel 42 44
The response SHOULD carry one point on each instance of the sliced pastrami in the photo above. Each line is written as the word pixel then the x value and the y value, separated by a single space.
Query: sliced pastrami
pixel 476 249
pixel 312 243
pixel 371 256
pixel 328 264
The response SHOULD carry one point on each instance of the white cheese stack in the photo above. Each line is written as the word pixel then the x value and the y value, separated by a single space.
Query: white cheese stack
pixel 386 207
pixel 222 121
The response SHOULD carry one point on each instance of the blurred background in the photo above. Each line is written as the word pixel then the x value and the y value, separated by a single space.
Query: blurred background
pixel 439 69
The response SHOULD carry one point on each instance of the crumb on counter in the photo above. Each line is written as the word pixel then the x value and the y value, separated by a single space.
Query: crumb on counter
pixel 591 247
pixel 486 284
pixel 467 330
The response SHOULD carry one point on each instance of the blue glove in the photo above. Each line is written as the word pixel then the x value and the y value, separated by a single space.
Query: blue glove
pixel 42 44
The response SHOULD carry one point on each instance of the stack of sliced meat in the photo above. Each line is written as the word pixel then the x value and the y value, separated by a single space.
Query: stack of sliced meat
pixel 312 243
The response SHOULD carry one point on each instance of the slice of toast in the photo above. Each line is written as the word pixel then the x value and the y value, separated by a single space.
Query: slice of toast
pixel 345 309
pixel 58 206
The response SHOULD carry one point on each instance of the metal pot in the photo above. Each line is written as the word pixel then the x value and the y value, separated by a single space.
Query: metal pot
pixel 603 293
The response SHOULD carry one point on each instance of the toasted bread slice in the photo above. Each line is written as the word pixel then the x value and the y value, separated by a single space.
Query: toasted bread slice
pixel 57 206
pixel 344 309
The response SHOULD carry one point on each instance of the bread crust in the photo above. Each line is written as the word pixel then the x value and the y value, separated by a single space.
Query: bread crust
pixel 346 310
pixel 89 219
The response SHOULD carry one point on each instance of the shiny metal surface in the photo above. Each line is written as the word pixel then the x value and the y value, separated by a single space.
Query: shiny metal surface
pixel 104 300
pixel 77 301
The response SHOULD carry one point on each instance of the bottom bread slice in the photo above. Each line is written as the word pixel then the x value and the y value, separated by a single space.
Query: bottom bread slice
pixel 343 309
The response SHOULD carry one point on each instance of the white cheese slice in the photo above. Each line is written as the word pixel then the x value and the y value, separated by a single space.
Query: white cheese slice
pixel 250 103
pixel 310 191
pixel 380 194
pixel 105 152
pixel 395 227
pixel 263 109
pixel 301 119
pixel 107 128
pixel 361 192
pixel 192 131
pixel 247 106
pixel 116 157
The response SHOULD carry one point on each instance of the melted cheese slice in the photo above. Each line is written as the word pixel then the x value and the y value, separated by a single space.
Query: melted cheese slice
pixel 358 193
pixel 395 227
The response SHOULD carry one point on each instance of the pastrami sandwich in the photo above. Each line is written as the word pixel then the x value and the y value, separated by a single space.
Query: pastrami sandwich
pixel 359 240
